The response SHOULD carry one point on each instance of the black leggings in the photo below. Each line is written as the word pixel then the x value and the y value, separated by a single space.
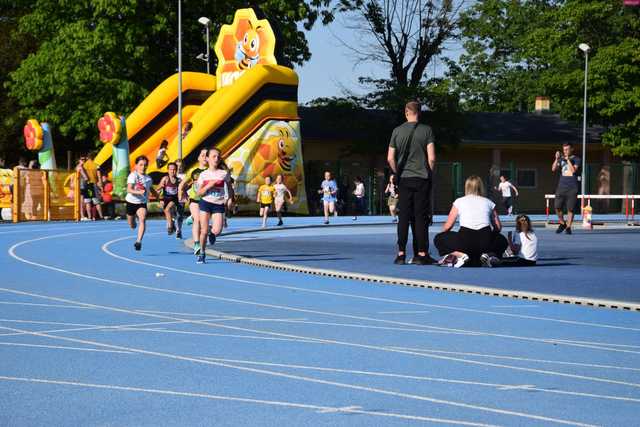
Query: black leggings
pixel 516 261
pixel 471 242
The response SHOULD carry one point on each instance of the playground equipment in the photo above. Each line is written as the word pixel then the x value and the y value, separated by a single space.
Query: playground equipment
pixel 248 111
pixel 113 131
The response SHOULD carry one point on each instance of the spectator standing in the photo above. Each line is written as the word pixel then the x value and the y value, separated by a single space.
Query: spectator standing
pixel 358 201
pixel 567 191
pixel 107 198
pixel 162 158
pixel 412 158
pixel 392 197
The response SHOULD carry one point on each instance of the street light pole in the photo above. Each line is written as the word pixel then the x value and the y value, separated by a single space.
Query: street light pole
pixel 207 23
pixel 585 48
pixel 180 80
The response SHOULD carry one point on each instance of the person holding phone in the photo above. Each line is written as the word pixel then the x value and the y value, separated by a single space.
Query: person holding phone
pixel 566 198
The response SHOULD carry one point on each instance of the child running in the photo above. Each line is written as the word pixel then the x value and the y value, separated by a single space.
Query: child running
pixel 170 203
pixel 523 247
pixel 194 199
pixel 281 190
pixel 211 188
pixel 265 198
pixel 138 189
pixel 329 190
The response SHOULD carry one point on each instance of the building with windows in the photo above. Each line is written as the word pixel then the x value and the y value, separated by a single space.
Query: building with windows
pixel 520 146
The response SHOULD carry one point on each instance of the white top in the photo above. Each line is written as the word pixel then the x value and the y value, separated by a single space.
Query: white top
pixel 281 189
pixel 529 245
pixel 160 154
pixel 359 191
pixel 505 188
pixel 139 182
pixel 474 212
pixel 216 194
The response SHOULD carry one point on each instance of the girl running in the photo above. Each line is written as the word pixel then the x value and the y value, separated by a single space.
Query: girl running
pixel 170 203
pixel 211 188
pixel 265 198
pixel 192 184
pixel 281 190
pixel 392 197
pixel 328 190
pixel 358 194
pixel 138 190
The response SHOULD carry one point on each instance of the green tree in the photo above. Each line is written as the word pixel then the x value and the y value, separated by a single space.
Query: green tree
pixel 99 55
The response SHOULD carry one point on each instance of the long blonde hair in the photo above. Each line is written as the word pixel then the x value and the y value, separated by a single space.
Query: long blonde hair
pixel 474 186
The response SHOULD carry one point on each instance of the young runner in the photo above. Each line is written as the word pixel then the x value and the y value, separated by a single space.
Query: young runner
pixel 211 188
pixel 170 203
pixel 265 198
pixel 192 184
pixel 328 190
pixel 281 190
pixel 358 194
pixel 138 190
pixel 505 188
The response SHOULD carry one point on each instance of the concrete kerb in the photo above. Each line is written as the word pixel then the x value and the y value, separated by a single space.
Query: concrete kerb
pixel 389 280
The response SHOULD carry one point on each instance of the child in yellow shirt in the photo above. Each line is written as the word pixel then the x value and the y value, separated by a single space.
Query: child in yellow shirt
pixel 265 198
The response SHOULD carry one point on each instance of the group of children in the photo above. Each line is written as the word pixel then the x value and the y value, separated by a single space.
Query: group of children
pixel 208 192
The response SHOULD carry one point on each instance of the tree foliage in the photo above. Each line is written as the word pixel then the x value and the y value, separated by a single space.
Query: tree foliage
pixel 516 50
pixel 99 55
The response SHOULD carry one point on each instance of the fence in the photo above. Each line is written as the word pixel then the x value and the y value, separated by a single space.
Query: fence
pixel 45 195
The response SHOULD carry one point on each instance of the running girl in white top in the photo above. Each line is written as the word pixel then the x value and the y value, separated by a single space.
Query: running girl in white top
pixel 281 190
pixel 190 187
pixel 139 187
pixel 211 188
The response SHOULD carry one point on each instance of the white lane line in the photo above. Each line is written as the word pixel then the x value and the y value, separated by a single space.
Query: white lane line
pixel 99 279
pixel 403 312
pixel 335 342
pixel 30 304
pixel 211 334
pixel 58 347
pixel 313 380
pixel 604 344
pixel 242 400
pixel 105 248
pixel 168 290
pixel 338 410
pixel 41 322
pixel 524 359
pixel 431 379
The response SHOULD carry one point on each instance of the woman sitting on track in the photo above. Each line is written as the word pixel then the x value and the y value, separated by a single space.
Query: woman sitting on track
pixel 211 188
pixel 476 236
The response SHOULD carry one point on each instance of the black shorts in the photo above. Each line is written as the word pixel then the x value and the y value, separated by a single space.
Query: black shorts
pixel 566 198
pixel 265 205
pixel 132 208
pixel 506 201
pixel 168 199
pixel 209 207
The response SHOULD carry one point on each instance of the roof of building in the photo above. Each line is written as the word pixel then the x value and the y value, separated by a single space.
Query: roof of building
pixel 477 128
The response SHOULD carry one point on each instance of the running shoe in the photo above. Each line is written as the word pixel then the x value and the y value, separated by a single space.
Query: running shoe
pixel 355 218
pixel 212 239
pixel 448 260
pixel 461 261
pixel 561 228
pixel 189 220
pixel 326 222
pixel 423 260
pixel 394 220
pixel 567 230
pixel 137 246
pixel 200 259
pixel 179 234
pixel 280 223
pixel 196 248
pixel 400 260
pixel 489 260
pixel 84 218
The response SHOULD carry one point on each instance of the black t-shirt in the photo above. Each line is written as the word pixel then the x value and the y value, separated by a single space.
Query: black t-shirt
pixel 569 180
pixel 416 166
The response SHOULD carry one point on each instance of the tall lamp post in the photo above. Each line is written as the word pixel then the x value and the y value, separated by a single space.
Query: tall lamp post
pixel 206 57
pixel 584 48
pixel 180 80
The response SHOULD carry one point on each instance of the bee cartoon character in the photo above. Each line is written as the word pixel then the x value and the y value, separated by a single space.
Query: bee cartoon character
pixel 248 49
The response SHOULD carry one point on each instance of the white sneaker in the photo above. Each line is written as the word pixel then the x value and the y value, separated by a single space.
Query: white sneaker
pixel 84 219
pixel 462 260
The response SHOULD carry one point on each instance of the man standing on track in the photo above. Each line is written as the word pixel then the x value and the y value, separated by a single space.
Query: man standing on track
pixel 567 190
pixel 412 158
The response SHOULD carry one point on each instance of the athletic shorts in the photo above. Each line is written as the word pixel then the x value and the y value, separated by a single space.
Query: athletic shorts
pixel 209 207
pixel 328 199
pixel 168 199
pixel 265 205
pixel 91 193
pixel 566 198
pixel 132 208
pixel 506 201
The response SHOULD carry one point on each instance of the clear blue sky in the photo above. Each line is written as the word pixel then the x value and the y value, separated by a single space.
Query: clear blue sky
pixel 331 69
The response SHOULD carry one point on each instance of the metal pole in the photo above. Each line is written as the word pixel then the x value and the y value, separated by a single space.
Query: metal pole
pixel 208 57
pixel 584 125
pixel 180 80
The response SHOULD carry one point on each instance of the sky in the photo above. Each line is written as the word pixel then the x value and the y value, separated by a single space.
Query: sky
pixel 331 68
